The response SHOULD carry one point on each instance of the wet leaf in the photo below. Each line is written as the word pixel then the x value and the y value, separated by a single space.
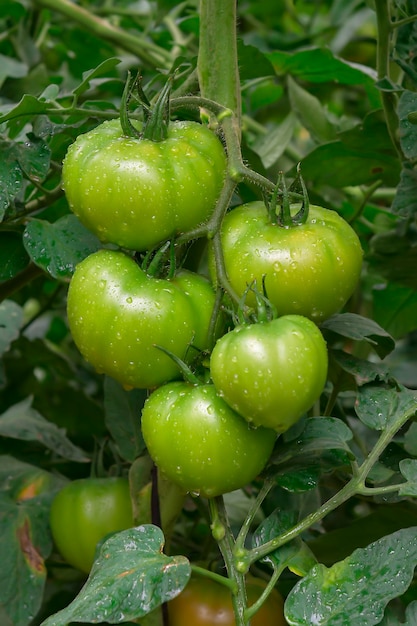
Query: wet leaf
pixel 58 247
pixel 379 406
pixel 320 447
pixel 357 589
pixel 25 542
pixel 363 370
pixel 130 578
pixel 408 131
pixel 295 555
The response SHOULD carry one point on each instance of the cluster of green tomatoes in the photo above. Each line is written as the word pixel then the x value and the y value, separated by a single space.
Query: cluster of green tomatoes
pixel 135 193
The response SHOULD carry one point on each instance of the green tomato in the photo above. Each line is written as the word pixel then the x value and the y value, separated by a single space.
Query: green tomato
pixel 204 602
pixel 84 512
pixel 199 442
pixel 118 315
pixel 136 192
pixel 311 269
pixel 271 373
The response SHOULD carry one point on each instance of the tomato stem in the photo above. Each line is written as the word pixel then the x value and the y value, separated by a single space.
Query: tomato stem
pixel 223 580
pixel 383 61
pixel 250 516
pixel 226 546
pixel 217 63
pixel 138 44
pixel 254 608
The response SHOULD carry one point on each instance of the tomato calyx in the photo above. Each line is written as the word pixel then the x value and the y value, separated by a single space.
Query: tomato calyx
pixel 264 310
pixel 186 371
pixel 156 118
pixel 154 263
pixel 284 217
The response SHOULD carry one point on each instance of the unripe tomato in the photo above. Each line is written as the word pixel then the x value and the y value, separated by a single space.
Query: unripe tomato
pixel 117 315
pixel 199 442
pixel 272 372
pixel 205 602
pixel 136 192
pixel 84 512
pixel 310 269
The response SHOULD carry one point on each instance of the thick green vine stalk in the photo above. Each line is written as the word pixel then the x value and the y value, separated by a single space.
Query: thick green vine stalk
pixel 218 70
pixel 219 81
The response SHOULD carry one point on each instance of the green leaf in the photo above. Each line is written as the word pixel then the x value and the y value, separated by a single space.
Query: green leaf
pixel 395 308
pixel 26 492
pixel 364 371
pixel 23 422
pixel 33 156
pixel 130 578
pixel 338 543
pixel 237 504
pixel 272 145
pixel 252 62
pixel 21 161
pixel 310 112
pixel 393 255
pixel 13 256
pixel 295 554
pixel 410 439
pixel 104 68
pixel 408 131
pixel 405 201
pixel 11 320
pixel 26 108
pixel 11 179
pixel 58 247
pixel 122 409
pixel 357 589
pixel 11 68
pixel 408 468
pixel 319 65
pixel 358 328
pixel 371 131
pixel 380 406
pixel 341 165
pixel 300 458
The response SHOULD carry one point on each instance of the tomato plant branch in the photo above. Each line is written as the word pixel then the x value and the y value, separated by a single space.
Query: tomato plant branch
pixel 217 63
pixel 243 532
pixel 146 50
pixel 254 608
pixel 389 101
pixel 223 580
pixel 403 22
pixel 226 547
pixel 9 287
pixel 366 197
pixel 355 486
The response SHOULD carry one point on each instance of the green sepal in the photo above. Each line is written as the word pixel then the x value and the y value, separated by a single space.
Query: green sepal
pixel 157 122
